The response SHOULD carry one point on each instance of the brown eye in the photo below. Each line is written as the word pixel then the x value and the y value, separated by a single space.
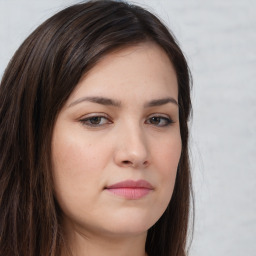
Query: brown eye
pixel 159 121
pixel 95 121
pixel 155 120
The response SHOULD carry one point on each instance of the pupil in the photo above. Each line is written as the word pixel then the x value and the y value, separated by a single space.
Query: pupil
pixel 95 120
pixel 155 120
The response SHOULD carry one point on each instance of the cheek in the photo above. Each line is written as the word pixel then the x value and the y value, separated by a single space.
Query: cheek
pixel 75 156
pixel 74 166
pixel 167 155
pixel 77 171
pixel 167 158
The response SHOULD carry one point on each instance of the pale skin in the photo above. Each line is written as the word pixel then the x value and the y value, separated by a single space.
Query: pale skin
pixel 120 123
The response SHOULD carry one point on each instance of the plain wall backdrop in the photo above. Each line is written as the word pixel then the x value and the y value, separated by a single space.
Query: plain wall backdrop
pixel 219 41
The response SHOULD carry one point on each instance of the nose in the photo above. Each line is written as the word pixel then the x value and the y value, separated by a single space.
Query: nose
pixel 132 149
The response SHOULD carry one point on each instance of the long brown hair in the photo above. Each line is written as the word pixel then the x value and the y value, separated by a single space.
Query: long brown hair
pixel 37 82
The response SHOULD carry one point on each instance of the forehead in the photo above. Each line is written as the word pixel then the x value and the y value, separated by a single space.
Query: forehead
pixel 142 70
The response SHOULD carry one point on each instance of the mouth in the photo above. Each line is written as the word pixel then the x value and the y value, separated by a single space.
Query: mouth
pixel 130 189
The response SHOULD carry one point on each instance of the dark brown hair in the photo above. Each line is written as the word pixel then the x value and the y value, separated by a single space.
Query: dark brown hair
pixel 37 82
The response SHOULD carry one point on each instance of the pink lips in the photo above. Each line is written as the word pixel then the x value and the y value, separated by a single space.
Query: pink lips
pixel 130 189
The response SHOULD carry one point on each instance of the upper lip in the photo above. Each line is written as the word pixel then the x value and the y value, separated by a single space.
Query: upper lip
pixel 131 184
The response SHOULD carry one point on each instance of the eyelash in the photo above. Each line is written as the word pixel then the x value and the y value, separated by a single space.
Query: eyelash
pixel 167 121
pixel 87 121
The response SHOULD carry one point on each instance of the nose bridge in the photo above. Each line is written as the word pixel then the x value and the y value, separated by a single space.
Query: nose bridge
pixel 136 143
pixel 132 145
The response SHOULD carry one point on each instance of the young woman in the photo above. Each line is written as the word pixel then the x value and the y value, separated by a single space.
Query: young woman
pixel 94 160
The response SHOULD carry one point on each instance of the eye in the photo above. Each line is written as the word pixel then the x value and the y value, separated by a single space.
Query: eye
pixel 95 121
pixel 159 121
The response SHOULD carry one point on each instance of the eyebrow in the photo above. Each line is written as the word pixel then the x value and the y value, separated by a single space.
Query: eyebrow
pixel 116 103
pixel 160 102
pixel 99 100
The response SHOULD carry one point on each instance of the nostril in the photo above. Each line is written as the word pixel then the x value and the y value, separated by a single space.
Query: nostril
pixel 145 163
pixel 133 164
pixel 126 162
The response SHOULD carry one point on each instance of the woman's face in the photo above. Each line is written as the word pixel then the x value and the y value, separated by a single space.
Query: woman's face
pixel 116 144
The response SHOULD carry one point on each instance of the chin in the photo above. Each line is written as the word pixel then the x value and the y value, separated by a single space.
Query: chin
pixel 131 223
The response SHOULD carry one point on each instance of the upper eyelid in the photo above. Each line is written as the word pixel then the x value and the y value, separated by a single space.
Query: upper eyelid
pixel 162 115
pixel 100 114
pixel 87 117
pixel 91 115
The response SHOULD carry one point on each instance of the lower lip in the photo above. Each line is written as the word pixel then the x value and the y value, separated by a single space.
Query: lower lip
pixel 130 193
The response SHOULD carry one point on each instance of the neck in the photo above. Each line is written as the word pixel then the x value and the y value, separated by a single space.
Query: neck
pixel 80 243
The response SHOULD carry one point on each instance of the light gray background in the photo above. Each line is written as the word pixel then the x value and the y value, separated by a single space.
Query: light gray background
pixel 219 40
